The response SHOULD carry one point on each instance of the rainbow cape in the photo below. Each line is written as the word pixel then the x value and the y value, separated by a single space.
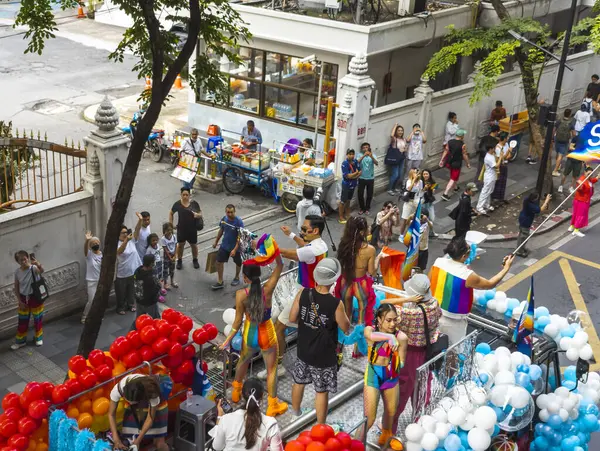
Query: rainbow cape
pixel 267 250
pixel 449 289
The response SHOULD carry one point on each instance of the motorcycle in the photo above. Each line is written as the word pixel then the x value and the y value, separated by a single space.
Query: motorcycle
pixel 155 144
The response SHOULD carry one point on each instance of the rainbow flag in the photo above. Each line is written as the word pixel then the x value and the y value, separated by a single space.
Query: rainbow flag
pixel 449 288
pixel 412 240
pixel 524 330
pixel 267 250
pixel 588 144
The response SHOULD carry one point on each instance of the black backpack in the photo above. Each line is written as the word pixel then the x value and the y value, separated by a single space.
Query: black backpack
pixel 375 229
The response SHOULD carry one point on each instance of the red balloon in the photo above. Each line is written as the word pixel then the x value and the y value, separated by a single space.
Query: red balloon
pixel 110 362
pixel 176 350
pixel 103 373
pixel 11 400
pixel 344 438
pixel 48 387
pixel 294 445
pixel 316 446
pixel 134 339
pixel 179 336
pixel 161 346
pixel 74 387
pixel 357 445
pixel 34 391
pixel 322 432
pixel 146 353
pixel 304 439
pixel 167 315
pixel 165 329
pixel 96 358
pixel 143 321
pixel 27 426
pixel 333 444
pixel 200 336
pixel 77 364
pixel 149 334
pixel 186 324
pixel 24 401
pixel 187 367
pixel 60 394
pixel 131 360
pixel 172 362
pixel 212 331
pixel 87 379
pixel 38 409
pixel 9 448
pixel 189 352
pixel 176 318
pixel 8 428
pixel 13 414
pixel 19 441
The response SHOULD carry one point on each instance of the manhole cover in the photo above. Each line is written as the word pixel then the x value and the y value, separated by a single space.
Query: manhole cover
pixel 50 107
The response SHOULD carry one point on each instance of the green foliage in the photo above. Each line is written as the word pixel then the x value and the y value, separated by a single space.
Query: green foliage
pixel 490 69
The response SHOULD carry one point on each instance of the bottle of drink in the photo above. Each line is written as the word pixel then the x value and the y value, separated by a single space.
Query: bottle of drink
pixel 190 393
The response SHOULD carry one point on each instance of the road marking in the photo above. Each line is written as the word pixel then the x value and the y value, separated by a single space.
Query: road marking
pixel 568 238
pixel 579 302
pixel 530 262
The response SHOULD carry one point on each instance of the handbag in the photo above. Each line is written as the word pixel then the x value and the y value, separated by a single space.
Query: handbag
pixel 40 288
pixel 393 156
pixel 339 347
pixel 407 196
pixel 199 223
pixel 433 349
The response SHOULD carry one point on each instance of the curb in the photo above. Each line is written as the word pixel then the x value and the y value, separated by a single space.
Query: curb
pixel 553 223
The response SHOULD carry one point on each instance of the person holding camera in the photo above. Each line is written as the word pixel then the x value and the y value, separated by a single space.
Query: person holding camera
pixel 386 219
pixel 367 162
pixel 29 305
pixel 307 206
pixel 128 260
pixel 411 197
pixel 415 141
pixel 350 173
pixel 93 262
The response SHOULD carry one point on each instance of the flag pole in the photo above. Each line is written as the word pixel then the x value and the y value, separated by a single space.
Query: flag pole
pixel 555 210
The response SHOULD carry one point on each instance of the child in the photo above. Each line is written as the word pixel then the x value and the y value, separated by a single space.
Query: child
pixel 28 304
pixel 154 249
pixel 169 245
pixel 147 289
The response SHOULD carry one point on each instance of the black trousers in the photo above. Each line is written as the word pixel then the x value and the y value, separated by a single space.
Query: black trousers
pixel 422 259
pixel 461 229
pixel 362 184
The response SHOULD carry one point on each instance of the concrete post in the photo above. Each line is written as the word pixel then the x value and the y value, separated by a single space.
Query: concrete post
pixel 424 92
pixel 111 146
pixel 93 184
pixel 344 121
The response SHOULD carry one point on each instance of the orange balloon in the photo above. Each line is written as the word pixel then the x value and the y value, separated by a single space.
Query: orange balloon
pixel 85 421
pixel 71 374
pixel 98 393
pixel 118 369
pixel 100 406
pixel 41 447
pixel 84 406
pixel 32 445
pixel 72 412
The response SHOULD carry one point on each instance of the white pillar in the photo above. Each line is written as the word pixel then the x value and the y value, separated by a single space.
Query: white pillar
pixel 93 184
pixel 424 92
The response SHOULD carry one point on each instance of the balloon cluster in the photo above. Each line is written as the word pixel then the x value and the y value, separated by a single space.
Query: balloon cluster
pixel 322 437
pixel 568 416
pixel 228 318
pixel 24 425
pixel 499 302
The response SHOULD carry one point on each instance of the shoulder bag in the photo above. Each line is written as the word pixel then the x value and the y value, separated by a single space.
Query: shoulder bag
pixel 433 349
pixel 339 347
pixel 40 289
pixel 393 155
pixel 199 221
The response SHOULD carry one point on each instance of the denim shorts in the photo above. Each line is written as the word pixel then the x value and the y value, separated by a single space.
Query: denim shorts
pixel 561 148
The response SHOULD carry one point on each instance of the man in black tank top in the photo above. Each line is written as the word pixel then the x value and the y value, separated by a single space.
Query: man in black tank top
pixel 318 314
pixel 453 157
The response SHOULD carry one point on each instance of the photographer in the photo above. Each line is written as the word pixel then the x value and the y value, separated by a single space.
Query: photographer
pixel 415 141
pixel 307 206
pixel 128 260
pixel 386 219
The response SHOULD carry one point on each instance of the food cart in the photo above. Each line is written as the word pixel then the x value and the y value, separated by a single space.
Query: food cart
pixel 515 125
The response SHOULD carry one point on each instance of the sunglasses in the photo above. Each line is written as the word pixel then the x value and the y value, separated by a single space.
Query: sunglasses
pixel 304 229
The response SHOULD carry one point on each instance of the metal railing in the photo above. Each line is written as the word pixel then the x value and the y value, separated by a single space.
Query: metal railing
pixel 35 170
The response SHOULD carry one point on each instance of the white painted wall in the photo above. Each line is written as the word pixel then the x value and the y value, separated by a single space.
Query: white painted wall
pixel 54 231
pixel 523 8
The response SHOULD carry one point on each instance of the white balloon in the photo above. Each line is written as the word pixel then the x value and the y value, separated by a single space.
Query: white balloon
pixel 519 397
pixel 501 306
pixel 227 329
pixel 504 363
pixel 414 432
pixel 569 404
pixel 593 377
pixel 594 385
pixel 553 407
pixel 490 363
pixel 562 323
pixel 442 430
pixel 562 392
pixel 580 338
pixel 563 414
pixel 491 304
pixel 479 439
pixel 502 350
pixel 526 360
pixel 544 415
pixel 485 417
pixel 551 330
pixel 447 403
pixel 542 401
pixel 500 296
pixel 440 415
pixel 429 442
pixel 574 414
pixel 565 343
pixel 517 311
pixel 428 423
pixel 412 446
pixel 469 422
pixel 498 395
pixel 586 352
pixel 505 377
pixel 465 403
pixel 516 359
pixel 456 416
pixel 229 316
pixel 573 354
pixel 478 396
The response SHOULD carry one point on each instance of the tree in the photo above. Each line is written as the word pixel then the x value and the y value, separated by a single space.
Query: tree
pixel 156 49
pixel 497 48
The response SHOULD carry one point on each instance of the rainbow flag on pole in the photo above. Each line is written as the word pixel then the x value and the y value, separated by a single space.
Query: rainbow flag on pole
pixel 588 144
pixel 523 334
pixel 267 250
pixel 412 240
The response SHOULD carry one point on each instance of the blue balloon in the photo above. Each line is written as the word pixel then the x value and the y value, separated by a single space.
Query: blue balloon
pixel 578 448
pixel 568 444
pixel 236 343
pixel 540 312
pixel 567 332
pixel 484 378
pixel 535 372
pixel 548 431
pixel 539 428
pixel 512 303
pixel 462 435
pixel 522 379
pixel 523 368
pixel 543 322
pixel 379 295
pixel 490 294
pixel 481 300
pixel 570 385
pixel 541 442
pixel 496 430
pixel 500 414
pixel 452 443
pixel 590 422
pixel 483 348
pixel 555 421
pixel 592 408
pixel 583 437
pixel 556 438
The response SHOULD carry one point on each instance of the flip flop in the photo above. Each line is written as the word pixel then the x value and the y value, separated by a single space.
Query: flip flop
pixel 132 309
pixel 175 285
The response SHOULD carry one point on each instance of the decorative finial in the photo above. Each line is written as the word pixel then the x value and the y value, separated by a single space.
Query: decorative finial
pixel 107 117
pixel 66 142
pixel 93 166
pixel 17 133
pixel 45 136
pixel 358 64
pixel 348 100
pixel 424 82
pixel 31 133
pixel 39 134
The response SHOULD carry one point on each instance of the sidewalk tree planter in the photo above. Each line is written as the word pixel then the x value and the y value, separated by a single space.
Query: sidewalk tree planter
pixel 155 49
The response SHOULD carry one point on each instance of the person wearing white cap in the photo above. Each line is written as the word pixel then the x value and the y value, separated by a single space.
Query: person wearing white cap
pixel 318 314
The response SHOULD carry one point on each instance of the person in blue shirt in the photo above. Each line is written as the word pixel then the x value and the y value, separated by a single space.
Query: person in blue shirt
pixel 230 247
pixel 531 208
pixel 251 136
pixel 367 162
pixel 350 174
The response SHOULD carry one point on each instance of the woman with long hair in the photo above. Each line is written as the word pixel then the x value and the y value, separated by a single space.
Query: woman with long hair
pixel 581 202
pixel 429 186
pixel 503 156
pixel 387 352
pixel 357 258
pixel 259 333
pixel 385 220
pixel 414 188
pixel 146 413
pixel 247 428
pixel 397 141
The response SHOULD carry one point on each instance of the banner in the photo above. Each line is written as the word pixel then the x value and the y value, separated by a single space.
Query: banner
pixel 412 239
pixel 588 144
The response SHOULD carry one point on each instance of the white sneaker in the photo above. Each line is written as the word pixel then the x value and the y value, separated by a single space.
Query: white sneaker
pixel 578 233
pixel 281 371
pixel 560 189
pixel 39 343
pixel 571 190
pixel 570 229
pixel 16 346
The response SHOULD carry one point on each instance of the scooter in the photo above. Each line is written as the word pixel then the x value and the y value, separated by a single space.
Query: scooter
pixel 155 144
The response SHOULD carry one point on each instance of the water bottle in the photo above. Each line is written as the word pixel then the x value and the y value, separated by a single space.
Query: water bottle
pixel 190 393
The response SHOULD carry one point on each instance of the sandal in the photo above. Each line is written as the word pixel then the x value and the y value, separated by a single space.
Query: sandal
pixel 174 285
pixel 121 312
pixel 132 309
